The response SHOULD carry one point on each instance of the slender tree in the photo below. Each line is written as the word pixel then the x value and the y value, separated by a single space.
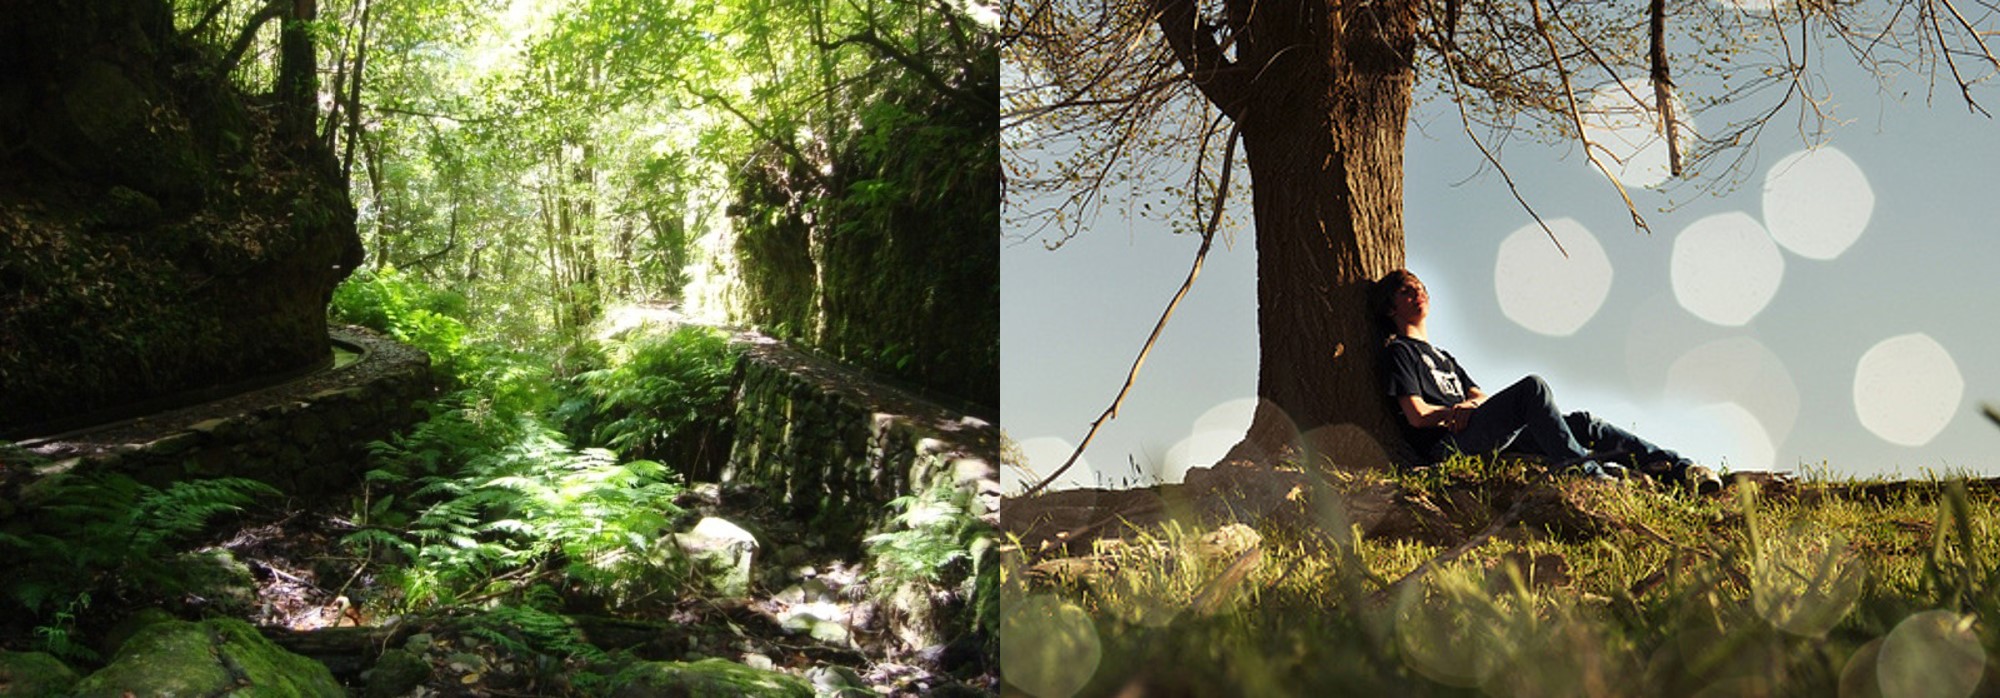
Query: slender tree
pixel 1317 95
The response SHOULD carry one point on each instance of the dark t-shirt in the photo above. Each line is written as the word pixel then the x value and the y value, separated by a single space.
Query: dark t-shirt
pixel 1414 367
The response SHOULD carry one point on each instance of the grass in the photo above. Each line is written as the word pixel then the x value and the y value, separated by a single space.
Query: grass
pixel 1821 586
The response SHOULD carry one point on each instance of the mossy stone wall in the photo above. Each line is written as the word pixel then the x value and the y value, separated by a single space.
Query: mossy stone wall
pixel 836 446
pixel 301 437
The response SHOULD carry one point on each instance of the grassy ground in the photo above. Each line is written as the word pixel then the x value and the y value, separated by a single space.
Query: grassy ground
pixel 1494 579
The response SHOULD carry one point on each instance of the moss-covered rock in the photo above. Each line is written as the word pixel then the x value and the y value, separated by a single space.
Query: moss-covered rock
pixel 708 678
pixel 207 658
pixel 396 672
pixel 156 234
pixel 34 674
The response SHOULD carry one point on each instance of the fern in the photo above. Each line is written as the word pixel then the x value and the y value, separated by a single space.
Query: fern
pixel 102 533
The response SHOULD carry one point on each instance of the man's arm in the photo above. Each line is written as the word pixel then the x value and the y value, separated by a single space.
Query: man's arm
pixel 1423 415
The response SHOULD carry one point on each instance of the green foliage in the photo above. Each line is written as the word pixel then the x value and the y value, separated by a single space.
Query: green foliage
pixel 105 534
pixel 478 501
pixel 939 542
pixel 656 387
pixel 529 629
pixel 58 636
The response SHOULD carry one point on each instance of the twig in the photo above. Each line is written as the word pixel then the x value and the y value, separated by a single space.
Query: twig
pixel 1576 115
pixel 1513 514
pixel 1465 121
pixel 1200 255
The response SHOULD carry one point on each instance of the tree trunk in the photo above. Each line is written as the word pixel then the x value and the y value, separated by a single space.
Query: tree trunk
pixel 1323 139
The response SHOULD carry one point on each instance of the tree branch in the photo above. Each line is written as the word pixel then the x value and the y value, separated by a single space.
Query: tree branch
pixel 1576 115
pixel 1663 86
pixel 270 11
pixel 757 128
pixel 1197 50
pixel 922 70
pixel 1132 376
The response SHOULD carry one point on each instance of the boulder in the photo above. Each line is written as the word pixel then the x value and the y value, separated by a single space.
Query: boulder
pixel 34 674
pixel 724 550
pixel 396 673
pixel 708 678
pixel 213 657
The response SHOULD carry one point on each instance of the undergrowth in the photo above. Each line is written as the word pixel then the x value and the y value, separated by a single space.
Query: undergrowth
pixel 1830 587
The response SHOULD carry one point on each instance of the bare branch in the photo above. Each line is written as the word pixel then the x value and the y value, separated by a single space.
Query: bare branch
pixel 1576 115
pixel 1132 376
pixel 1663 86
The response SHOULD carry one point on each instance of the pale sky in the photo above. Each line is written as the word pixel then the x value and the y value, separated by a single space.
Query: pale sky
pixel 1839 310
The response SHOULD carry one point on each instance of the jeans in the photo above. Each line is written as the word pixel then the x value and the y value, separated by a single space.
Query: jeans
pixel 1524 418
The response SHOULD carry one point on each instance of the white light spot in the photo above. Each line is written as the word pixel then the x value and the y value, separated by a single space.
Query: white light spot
pixel 1743 437
pixel 1725 268
pixel 1742 371
pixel 1043 455
pixel 1622 123
pixel 1048 647
pixel 1934 654
pixel 1201 450
pixel 1906 389
pixel 1817 202
pixel 1541 290
pixel 1233 415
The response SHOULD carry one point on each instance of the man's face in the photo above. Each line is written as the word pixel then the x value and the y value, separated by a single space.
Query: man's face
pixel 1411 302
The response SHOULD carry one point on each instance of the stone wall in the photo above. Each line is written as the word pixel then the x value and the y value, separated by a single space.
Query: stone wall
pixel 306 435
pixel 836 445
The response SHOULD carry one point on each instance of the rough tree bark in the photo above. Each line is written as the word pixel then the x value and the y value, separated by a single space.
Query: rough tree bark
pixel 1321 90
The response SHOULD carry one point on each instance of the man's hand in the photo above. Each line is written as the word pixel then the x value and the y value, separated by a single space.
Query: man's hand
pixel 1458 415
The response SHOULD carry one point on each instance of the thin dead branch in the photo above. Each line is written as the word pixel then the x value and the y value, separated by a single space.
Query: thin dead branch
pixel 1200 255
pixel 1576 114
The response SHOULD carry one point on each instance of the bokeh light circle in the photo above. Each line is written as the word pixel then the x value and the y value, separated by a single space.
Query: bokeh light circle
pixel 1817 202
pixel 1622 122
pixel 1934 654
pixel 1739 370
pixel 1725 268
pixel 1805 581
pixel 1906 389
pixel 1543 291
pixel 1747 445
pixel 1048 647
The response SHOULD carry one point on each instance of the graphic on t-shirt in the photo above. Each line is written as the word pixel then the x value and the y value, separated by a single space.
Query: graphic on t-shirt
pixel 1447 381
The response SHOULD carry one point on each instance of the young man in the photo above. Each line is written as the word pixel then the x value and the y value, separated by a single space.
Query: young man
pixel 1444 411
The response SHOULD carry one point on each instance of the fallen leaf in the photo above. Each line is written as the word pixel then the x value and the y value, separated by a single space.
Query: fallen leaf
pixel 470 679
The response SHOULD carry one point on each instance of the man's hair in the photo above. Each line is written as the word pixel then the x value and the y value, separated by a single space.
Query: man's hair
pixel 1382 296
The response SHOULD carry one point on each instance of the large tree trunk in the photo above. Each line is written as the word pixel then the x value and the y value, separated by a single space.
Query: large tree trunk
pixel 1323 138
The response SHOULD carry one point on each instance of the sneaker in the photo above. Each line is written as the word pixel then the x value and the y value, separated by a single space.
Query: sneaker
pixel 1591 470
pixel 1702 480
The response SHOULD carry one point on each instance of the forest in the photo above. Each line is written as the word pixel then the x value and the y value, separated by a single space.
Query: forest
pixel 608 283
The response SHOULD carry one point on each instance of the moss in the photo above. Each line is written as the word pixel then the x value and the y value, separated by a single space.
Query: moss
pixel 34 674
pixel 171 658
pixel 207 658
pixel 708 678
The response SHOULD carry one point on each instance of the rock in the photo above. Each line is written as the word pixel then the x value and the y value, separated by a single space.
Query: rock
pixel 213 657
pixel 837 682
pixel 820 620
pixel 209 427
pixel 396 673
pixel 34 674
pixel 1225 544
pixel 124 630
pixel 708 677
pixel 220 580
pixel 725 549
